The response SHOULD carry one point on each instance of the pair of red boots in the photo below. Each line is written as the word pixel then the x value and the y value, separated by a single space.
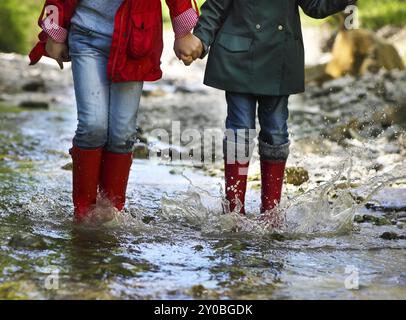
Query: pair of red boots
pixel 272 174
pixel 98 170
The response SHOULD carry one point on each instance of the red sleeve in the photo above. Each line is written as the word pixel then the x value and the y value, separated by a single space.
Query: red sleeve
pixel 63 10
pixel 177 7
pixel 184 17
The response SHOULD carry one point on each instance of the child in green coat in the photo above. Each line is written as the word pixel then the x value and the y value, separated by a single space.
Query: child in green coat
pixel 257 58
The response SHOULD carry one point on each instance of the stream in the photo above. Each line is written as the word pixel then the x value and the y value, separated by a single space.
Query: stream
pixel 173 242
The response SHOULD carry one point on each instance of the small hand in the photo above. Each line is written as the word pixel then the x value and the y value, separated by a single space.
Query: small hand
pixel 57 51
pixel 188 48
pixel 187 60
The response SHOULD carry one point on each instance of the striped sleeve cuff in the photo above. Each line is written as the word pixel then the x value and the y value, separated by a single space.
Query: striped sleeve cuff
pixel 184 23
pixel 56 32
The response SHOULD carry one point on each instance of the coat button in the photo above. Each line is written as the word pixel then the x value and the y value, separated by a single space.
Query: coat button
pixel 280 27
pixel 258 26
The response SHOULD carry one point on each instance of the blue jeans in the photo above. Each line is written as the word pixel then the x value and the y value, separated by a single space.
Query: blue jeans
pixel 107 112
pixel 273 114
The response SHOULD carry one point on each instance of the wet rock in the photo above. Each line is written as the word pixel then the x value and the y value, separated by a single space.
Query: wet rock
pixel 296 175
pixel 34 86
pixel 378 221
pixel 198 247
pixel 176 171
pixel 359 219
pixel 29 241
pixel 148 219
pixel 34 104
pixel 358 51
pixel 344 131
pixel 198 291
pixel 388 200
pixel 382 222
pixel 389 115
pixel 68 166
pixel 141 151
pixel 391 236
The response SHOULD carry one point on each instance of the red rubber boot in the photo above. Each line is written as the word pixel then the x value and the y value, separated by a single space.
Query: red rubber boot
pixel 272 173
pixel 114 177
pixel 86 176
pixel 236 184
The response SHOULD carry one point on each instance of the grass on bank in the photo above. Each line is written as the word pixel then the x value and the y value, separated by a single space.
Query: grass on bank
pixel 373 14
pixel 18 19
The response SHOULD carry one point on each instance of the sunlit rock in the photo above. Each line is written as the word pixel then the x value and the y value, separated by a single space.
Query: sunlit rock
pixel 296 175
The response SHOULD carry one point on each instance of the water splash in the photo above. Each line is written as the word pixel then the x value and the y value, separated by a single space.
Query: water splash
pixel 323 211
pixel 104 215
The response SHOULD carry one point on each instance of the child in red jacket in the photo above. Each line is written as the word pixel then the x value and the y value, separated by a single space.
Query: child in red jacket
pixel 114 46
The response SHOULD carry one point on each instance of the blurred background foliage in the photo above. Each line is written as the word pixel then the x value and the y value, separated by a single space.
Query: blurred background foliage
pixel 18 20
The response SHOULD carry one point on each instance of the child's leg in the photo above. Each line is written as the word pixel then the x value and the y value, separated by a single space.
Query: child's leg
pixel 273 147
pixel 89 65
pixel 124 104
pixel 92 88
pixel 238 146
pixel 117 158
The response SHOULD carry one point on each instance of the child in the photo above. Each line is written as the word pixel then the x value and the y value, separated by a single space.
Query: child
pixel 257 57
pixel 114 46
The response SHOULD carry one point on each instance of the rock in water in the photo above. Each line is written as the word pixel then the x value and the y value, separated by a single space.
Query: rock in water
pixel 357 51
pixel 29 241
pixel 34 104
pixel 390 236
pixel 296 175
pixel 35 86
pixel 141 151
pixel 68 166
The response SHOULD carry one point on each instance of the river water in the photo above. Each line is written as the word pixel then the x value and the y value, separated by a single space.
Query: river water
pixel 173 240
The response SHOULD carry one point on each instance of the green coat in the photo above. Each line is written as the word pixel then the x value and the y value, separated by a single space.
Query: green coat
pixel 256 46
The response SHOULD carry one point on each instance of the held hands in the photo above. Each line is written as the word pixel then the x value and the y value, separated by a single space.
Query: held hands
pixel 57 51
pixel 188 49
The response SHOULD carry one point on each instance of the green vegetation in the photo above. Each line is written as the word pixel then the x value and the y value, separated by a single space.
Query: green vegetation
pixel 18 24
pixel 377 13
pixel 18 19
pixel 373 14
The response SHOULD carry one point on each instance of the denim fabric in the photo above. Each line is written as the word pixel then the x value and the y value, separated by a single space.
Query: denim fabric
pixel 273 114
pixel 107 112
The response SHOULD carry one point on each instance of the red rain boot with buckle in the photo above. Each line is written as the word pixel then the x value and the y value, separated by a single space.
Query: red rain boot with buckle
pixel 272 174
pixel 236 185
pixel 86 176
pixel 114 177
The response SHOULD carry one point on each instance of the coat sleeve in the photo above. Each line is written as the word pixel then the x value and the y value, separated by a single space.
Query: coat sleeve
pixel 183 16
pixel 54 21
pixel 212 18
pixel 55 18
pixel 320 9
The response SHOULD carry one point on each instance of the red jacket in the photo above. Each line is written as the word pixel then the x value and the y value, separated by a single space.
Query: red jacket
pixel 137 44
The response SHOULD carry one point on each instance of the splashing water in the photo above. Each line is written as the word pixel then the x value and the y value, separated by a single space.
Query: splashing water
pixel 323 211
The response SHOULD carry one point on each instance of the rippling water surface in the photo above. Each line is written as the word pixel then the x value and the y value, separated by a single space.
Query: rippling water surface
pixel 173 242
